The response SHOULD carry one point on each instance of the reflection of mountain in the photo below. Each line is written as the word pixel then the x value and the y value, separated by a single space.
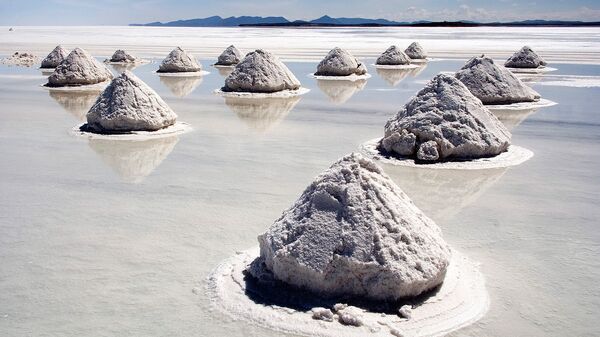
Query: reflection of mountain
pixel 181 86
pixel 340 91
pixel 261 114
pixel 441 194
pixel 512 118
pixel 119 68
pixel 133 160
pixel 77 103
pixel 225 71
pixel 395 76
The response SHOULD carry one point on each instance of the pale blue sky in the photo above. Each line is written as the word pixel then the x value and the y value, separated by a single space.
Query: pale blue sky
pixel 122 12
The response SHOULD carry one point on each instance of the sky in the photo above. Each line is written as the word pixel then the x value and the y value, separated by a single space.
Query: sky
pixel 123 12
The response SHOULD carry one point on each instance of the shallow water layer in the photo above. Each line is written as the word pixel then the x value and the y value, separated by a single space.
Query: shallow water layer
pixel 101 238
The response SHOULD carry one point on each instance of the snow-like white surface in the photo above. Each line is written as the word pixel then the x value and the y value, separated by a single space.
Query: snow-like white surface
pixel 461 300
pixel 184 74
pixel 175 129
pixel 281 94
pixel 399 66
pixel 515 155
pixel 575 81
pixel 352 77
pixel 542 103
pixel 540 70
pixel 89 87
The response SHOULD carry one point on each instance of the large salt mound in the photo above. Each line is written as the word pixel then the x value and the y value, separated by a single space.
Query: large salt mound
pixel 122 56
pixel 56 56
pixel 493 84
pixel 178 61
pixel 353 232
pixel 230 57
pixel 445 121
pixel 126 105
pixel 393 56
pixel 79 68
pixel 415 51
pixel 339 62
pixel 261 72
pixel 525 58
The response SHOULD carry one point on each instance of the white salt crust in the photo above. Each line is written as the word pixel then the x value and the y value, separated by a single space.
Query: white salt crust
pixel 136 63
pixel 352 77
pixel 397 66
pixel 89 87
pixel 461 300
pixel 515 155
pixel 539 70
pixel 542 103
pixel 425 60
pixel 278 94
pixel 184 74
pixel 175 129
pixel 220 66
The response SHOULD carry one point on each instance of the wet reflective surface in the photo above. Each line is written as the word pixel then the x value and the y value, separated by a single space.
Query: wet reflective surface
pixel 119 236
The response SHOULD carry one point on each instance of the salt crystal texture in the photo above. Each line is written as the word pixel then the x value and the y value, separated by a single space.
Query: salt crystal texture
pixel 128 104
pixel 525 58
pixel 393 56
pixel 445 121
pixel 179 61
pixel 56 56
pixel 122 56
pixel 415 51
pixel 79 68
pixel 353 232
pixel 230 57
pixel 261 72
pixel 493 84
pixel 339 62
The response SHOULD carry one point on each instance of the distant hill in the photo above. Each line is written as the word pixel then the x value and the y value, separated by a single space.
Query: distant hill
pixel 327 21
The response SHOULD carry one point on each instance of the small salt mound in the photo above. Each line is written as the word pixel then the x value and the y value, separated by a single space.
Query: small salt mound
pixel 493 84
pixel 353 232
pixel 393 56
pixel 525 58
pixel 179 61
pixel 230 57
pixel 20 59
pixel 445 121
pixel 339 62
pixel 122 56
pixel 56 56
pixel 261 72
pixel 79 68
pixel 127 105
pixel 415 51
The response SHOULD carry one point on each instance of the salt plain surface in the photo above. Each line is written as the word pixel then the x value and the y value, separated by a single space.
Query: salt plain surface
pixel 118 239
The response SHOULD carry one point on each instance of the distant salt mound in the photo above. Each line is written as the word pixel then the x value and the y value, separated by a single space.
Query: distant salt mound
pixel 179 61
pixel 261 72
pixel 493 84
pixel 127 105
pixel 445 121
pixel 230 57
pixel 525 58
pixel 415 51
pixel 20 59
pixel 121 56
pixel 353 232
pixel 56 56
pixel 339 62
pixel 393 56
pixel 77 69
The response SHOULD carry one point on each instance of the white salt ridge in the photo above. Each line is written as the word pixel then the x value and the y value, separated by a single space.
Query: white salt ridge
pixel 79 68
pixel 128 104
pixel 513 156
pixel 460 301
pixel 337 240
pixel 56 56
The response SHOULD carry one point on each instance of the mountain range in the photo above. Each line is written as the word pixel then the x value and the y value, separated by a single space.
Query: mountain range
pixel 327 21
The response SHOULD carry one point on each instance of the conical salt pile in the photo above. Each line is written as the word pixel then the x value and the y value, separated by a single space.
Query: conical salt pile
pixel 339 62
pixel 179 61
pixel 79 68
pixel 126 105
pixel 229 57
pixel 445 121
pixel 393 56
pixel 56 56
pixel 123 57
pixel 415 51
pixel 525 58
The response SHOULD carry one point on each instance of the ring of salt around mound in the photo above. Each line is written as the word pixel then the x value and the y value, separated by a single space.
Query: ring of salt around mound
pixel 278 94
pixel 396 66
pixel 175 129
pixel 351 77
pixel 88 87
pixel 425 60
pixel 137 62
pixel 224 66
pixel 515 155
pixel 184 74
pixel 542 103
pixel 460 301
pixel 539 70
